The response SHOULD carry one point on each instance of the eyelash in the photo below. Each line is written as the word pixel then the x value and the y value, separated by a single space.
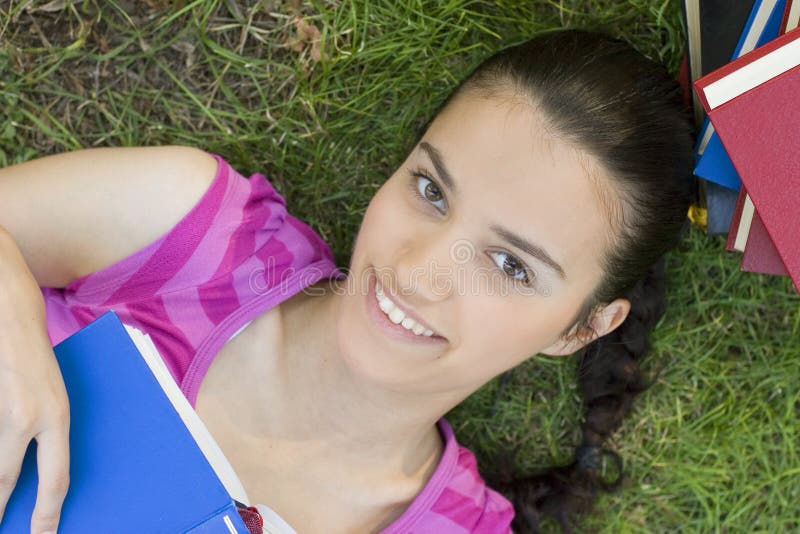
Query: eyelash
pixel 416 174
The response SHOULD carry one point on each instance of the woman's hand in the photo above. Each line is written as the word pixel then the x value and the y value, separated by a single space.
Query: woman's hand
pixel 33 398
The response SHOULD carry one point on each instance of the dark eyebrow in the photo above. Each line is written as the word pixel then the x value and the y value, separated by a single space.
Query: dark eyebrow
pixel 436 158
pixel 537 252
pixel 520 242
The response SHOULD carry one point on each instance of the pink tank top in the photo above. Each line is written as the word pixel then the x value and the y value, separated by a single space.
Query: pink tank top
pixel 235 255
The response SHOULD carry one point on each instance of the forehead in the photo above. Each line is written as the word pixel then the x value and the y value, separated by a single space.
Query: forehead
pixel 512 170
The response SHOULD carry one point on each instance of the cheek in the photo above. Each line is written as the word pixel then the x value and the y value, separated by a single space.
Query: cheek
pixel 501 335
pixel 369 223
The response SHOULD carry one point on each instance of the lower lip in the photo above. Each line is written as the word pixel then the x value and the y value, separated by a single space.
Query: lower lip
pixel 394 331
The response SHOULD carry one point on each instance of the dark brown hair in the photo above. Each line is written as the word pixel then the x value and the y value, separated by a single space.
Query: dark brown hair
pixel 610 101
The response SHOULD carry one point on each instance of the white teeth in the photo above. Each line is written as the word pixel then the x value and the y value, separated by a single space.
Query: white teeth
pixel 386 305
pixel 396 315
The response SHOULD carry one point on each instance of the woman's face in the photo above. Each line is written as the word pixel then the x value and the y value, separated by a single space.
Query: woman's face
pixel 487 199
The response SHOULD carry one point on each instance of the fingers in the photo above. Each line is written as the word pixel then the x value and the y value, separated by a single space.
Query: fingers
pixel 10 465
pixel 52 457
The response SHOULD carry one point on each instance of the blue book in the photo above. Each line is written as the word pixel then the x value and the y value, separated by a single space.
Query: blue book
pixel 720 205
pixel 139 462
pixel 713 163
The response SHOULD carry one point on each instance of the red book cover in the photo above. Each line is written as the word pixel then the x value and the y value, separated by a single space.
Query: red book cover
pixel 760 255
pixel 753 104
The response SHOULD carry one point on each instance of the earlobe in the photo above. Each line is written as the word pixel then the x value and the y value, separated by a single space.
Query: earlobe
pixel 603 322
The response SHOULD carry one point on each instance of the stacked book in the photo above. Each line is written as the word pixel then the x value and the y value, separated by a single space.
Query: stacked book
pixel 747 143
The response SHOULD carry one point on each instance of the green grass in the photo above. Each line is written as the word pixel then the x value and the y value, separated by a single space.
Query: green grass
pixel 711 447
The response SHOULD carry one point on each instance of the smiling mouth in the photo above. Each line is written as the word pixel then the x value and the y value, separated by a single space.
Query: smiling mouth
pixel 393 320
pixel 398 315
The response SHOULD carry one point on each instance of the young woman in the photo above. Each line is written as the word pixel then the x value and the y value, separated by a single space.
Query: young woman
pixel 531 217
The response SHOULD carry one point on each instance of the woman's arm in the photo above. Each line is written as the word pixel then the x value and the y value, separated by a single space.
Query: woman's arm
pixel 75 213
pixel 33 398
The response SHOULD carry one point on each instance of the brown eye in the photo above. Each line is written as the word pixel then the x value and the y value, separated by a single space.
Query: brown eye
pixel 514 268
pixel 427 190
pixel 432 192
pixel 509 267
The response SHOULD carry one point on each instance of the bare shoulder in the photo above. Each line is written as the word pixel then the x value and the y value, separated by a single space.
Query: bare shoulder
pixel 77 212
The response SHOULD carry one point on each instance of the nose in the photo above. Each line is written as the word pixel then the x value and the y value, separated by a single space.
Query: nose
pixel 426 268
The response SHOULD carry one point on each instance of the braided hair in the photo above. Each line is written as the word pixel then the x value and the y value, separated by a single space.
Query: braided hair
pixel 609 100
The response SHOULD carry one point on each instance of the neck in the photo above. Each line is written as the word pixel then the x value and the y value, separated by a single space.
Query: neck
pixel 316 401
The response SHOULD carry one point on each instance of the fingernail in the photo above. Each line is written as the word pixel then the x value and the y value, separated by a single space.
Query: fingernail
pixel 49 532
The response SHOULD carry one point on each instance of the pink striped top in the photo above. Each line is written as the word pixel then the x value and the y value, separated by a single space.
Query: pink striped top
pixel 236 254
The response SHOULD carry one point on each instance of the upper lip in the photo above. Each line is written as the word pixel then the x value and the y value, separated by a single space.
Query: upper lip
pixel 408 311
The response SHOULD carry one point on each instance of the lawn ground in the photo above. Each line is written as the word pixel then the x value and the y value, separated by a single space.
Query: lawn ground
pixel 325 97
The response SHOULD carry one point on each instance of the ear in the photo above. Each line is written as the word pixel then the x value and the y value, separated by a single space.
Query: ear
pixel 603 321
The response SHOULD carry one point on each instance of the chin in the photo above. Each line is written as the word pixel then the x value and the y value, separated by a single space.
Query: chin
pixel 378 365
pixel 359 354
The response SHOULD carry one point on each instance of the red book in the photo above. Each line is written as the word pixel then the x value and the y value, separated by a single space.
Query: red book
pixel 753 104
pixel 748 234
pixel 760 255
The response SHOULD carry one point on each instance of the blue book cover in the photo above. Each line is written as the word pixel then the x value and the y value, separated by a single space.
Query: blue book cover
pixel 135 467
pixel 713 163
pixel 720 203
